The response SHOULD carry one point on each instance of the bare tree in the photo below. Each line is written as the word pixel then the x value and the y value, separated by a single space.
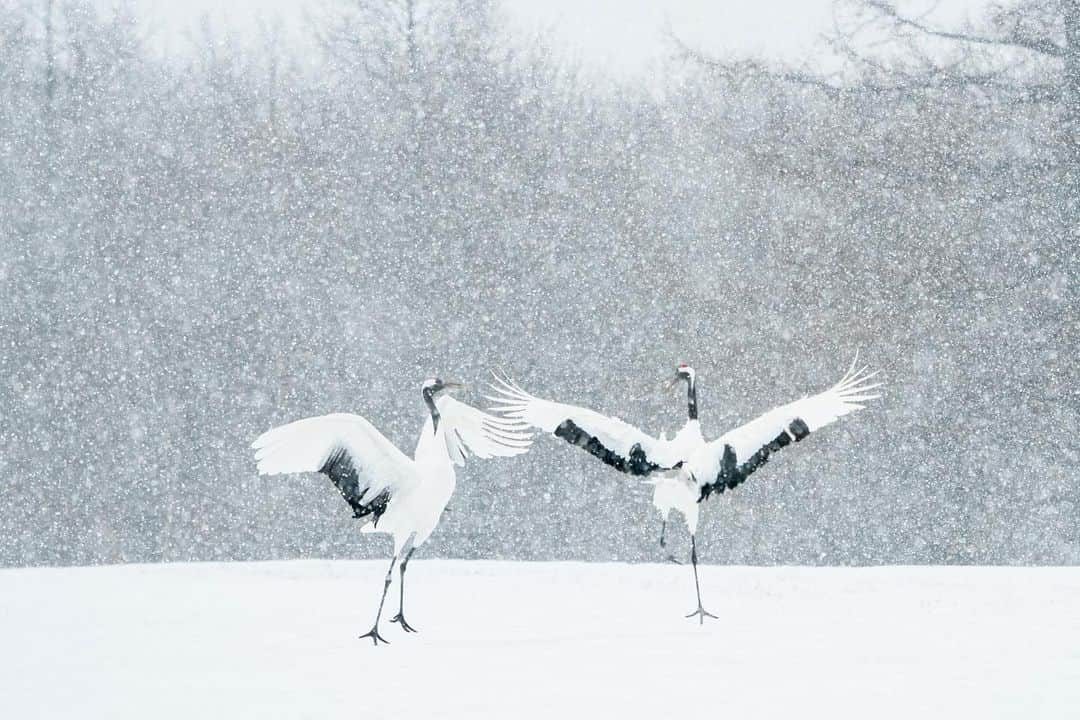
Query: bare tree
pixel 1025 55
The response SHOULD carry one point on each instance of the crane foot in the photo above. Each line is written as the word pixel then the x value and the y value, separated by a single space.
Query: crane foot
pixel 376 638
pixel 702 613
pixel 400 619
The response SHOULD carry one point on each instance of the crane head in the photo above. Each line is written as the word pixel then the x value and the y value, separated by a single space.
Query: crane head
pixel 682 372
pixel 430 389
pixel 434 386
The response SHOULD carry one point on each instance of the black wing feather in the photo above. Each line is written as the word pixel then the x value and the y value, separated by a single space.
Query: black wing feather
pixel 339 468
pixel 636 464
pixel 733 473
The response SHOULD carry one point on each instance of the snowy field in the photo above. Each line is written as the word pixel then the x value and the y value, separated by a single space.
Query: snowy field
pixel 540 640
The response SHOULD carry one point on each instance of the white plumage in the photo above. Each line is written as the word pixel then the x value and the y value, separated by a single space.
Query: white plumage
pixel 306 445
pixel 668 494
pixel 611 432
pixel 686 469
pixel 394 494
pixel 815 411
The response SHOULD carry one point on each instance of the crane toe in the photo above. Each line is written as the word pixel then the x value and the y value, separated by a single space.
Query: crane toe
pixel 400 619
pixel 376 638
pixel 701 613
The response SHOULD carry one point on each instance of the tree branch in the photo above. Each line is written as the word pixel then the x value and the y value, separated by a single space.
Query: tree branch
pixel 1042 46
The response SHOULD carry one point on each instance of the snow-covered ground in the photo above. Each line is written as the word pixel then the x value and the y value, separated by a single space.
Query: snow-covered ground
pixel 539 640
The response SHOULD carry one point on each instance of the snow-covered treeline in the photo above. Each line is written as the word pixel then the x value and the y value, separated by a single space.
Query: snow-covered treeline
pixel 197 246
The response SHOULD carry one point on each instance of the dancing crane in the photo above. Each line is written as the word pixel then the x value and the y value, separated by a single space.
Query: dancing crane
pixel 668 496
pixel 392 493
pixel 685 471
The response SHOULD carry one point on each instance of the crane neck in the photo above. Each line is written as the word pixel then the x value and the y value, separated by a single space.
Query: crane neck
pixel 429 400
pixel 691 397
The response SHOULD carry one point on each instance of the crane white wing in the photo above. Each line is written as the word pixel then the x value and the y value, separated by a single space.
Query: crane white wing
pixel 366 468
pixel 614 442
pixel 469 431
pixel 727 461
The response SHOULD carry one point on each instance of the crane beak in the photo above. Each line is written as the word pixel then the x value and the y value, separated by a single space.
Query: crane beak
pixel 449 385
pixel 671 383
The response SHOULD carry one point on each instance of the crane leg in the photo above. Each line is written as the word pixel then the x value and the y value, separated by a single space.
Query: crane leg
pixel 374 632
pixel 400 617
pixel 663 541
pixel 701 613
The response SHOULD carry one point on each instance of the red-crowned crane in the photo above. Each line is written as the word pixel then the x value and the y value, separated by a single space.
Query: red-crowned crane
pixel 687 470
pixel 668 496
pixel 394 494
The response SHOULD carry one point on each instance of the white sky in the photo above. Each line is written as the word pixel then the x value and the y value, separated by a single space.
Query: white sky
pixel 620 37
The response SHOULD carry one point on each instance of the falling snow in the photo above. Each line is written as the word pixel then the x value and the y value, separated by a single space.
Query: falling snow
pixel 201 244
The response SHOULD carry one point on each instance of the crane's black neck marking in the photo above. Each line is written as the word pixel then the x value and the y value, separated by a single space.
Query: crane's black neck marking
pixel 429 399
pixel 691 396
pixel 636 464
pixel 733 473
